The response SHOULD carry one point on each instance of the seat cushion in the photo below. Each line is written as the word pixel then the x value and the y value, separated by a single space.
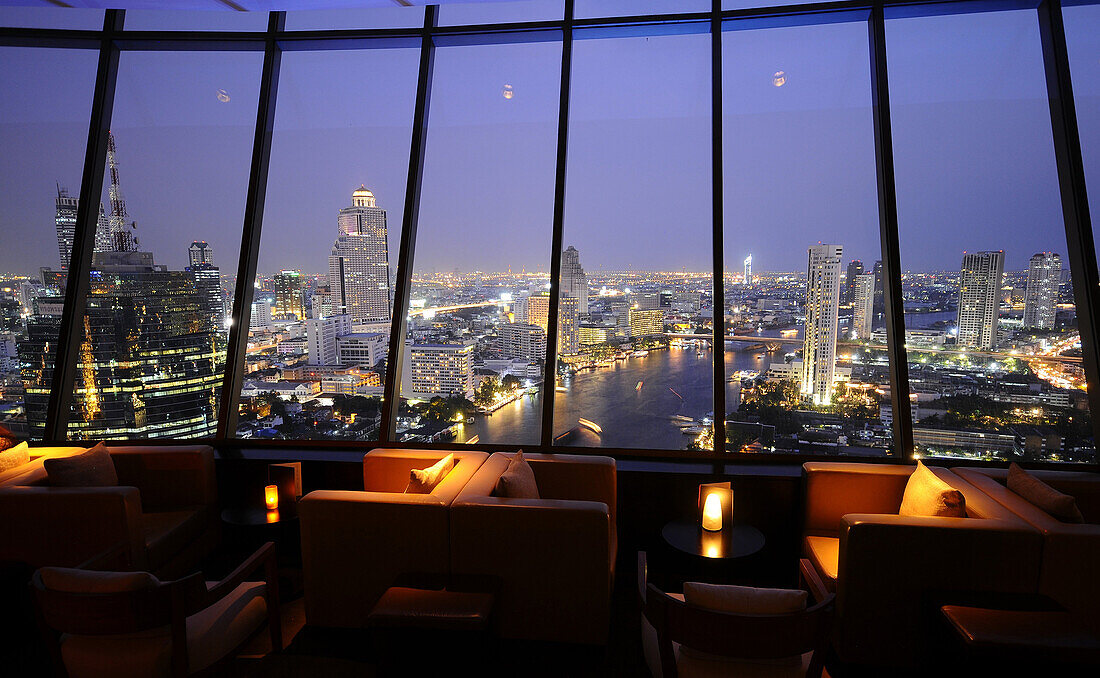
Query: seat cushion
pixel 432 609
pixel 211 635
pixel 824 553
pixel 167 533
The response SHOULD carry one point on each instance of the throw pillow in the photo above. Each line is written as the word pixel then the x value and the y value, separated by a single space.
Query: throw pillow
pixel 517 481
pixel 15 456
pixel 423 481
pixel 94 468
pixel 8 439
pixel 1036 492
pixel 926 495
pixel 744 599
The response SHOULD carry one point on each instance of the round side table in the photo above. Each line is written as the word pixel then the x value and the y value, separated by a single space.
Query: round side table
pixel 716 557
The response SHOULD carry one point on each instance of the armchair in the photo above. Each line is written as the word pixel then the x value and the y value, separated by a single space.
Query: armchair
pixel 356 544
pixel 885 567
pixel 164 508
pixel 554 556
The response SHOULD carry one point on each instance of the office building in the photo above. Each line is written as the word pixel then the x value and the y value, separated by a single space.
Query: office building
pixel 359 267
pixel 438 369
pixel 261 318
pixel 65 225
pixel 646 322
pixel 747 279
pixel 200 253
pixel 574 283
pixel 289 303
pixel 322 333
pixel 365 349
pixel 568 321
pixel 321 302
pixel 879 306
pixel 822 311
pixel 1044 275
pixel 863 305
pixel 522 340
pixel 979 298
pixel 855 269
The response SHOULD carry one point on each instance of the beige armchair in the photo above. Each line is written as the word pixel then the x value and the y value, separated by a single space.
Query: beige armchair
pixel 554 556
pixel 356 544
pixel 164 508
pixel 1071 551
pixel 885 568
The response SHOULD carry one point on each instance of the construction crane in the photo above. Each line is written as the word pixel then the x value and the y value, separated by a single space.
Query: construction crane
pixel 123 237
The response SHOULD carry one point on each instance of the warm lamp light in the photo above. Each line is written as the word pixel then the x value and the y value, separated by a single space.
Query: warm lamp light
pixel 271 497
pixel 712 512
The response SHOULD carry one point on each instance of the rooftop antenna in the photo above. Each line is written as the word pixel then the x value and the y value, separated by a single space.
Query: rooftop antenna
pixel 124 239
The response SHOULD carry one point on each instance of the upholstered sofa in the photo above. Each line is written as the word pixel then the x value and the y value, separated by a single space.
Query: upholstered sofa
pixel 162 516
pixel 554 556
pixel 887 569
pixel 356 544
pixel 1071 551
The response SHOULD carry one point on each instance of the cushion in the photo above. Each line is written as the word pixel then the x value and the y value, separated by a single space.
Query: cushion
pixel 7 438
pixel 94 468
pixel 72 580
pixel 1043 496
pixel 744 599
pixel 824 553
pixel 517 481
pixel 926 495
pixel 423 481
pixel 403 607
pixel 13 457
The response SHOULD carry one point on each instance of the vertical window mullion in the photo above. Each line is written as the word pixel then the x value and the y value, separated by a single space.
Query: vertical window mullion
pixel 718 305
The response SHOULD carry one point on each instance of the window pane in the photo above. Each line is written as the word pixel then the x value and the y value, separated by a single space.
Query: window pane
pixel 469 13
pixel 45 101
pixel 151 361
pixel 52 17
pixel 1083 44
pixel 601 8
pixel 483 246
pixel 994 351
pixel 192 20
pixel 808 370
pixel 638 228
pixel 370 17
pixel 320 318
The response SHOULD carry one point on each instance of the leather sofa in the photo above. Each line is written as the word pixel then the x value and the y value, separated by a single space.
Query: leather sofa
pixel 162 517
pixel 888 569
pixel 1071 552
pixel 356 544
pixel 554 557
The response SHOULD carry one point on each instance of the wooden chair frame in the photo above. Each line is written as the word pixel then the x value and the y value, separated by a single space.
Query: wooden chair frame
pixel 744 636
pixel 168 604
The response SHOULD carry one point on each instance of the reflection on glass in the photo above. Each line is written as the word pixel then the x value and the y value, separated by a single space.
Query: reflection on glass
pixel 151 358
pixel 320 319
pixel 476 342
pixel 806 364
pixel 45 101
pixel 634 322
pixel 991 329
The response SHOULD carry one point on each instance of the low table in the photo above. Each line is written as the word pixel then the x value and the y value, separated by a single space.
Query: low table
pixel 1018 639
pixel 717 557
pixel 248 527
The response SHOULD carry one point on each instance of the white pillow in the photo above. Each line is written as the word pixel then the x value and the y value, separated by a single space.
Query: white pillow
pixel 744 599
pixel 14 457
pixel 423 481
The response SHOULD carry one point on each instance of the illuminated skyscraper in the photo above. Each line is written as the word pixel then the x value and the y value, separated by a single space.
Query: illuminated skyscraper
pixel 568 336
pixel 822 310
pixel 646 322
pixel 289 303
pixel 521 340
pixel 208 278
pixel 979 298
pixel 1044 274
pixel 574 282
pixel 748 270
pixel 855 268
pixel 438 369
pixel 65 223
pixel 200 253
pixel 358 267
pixel 863 304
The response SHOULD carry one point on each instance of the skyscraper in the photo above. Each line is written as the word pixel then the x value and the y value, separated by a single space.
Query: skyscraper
pixel 521 340
pixel 322 334
pixel 646 323
pixel 822 310
pixel 288 296
pixel 863 303
pixel 574 282
pixel 979 298
pixel 438 369
pixel 65 223
pixel 855 268
pixel 1044 274
pixel 748 270
pixel 208 278
pixel 880 297
pixel 358 267
pixel 200 253
pixel 569 341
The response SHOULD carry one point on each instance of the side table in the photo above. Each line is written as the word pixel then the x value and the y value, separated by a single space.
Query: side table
pixel 717 557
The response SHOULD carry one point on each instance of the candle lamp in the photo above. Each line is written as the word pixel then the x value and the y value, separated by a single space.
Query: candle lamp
pixel 271 497
pixel 715 506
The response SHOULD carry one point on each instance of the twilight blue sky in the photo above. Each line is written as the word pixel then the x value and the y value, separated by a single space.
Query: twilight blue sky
pixel 974 160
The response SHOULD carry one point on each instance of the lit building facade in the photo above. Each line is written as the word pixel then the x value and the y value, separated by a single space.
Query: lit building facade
pixel 855 269
pixel 289 303
pixel 322 334
pixel 822 311
pixel 1044 275
pixel 574 282
pixel 65 224
pixel 646 322
pixel 200 253
pixel 365 349
pixel 440 369
pixel 748 270
pixel 522 340
pixel 979 298
pixel 358 267
pixel 568 323
pixel 863 305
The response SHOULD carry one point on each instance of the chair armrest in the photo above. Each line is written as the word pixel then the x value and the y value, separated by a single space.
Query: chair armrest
pixel 833 489
pixel 811 581
pixel 264 557
pixel 169 478
pixel 65 526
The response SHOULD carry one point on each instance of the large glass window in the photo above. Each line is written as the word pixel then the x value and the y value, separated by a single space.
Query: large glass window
pixel 994 352
pixel 806 362
pixel 151 356
pixel 476 342
pixel 1083 44
pixel 636 272
pixel 45 101
pixel 320 318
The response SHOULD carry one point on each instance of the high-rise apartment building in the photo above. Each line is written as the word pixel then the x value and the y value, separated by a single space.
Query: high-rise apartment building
pixel 365 349
pixel 322 334
pixel 200 253
pixel 358 267
pixel 748 270
pixel 822 311
pixel 863 304
pixel 979 298
pixel 646 322
pixel 568 323
pixel 289 303
pixel 574 282
pixel 522 340
pixel 855 268
pixel 261 316
pixel 1044 275
pixel 321 302
pixel 439 369
pixel 65 224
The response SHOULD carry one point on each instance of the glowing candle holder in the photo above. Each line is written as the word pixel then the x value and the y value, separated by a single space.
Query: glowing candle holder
pixel 715 506
pixel 712 512
pixel 271 497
